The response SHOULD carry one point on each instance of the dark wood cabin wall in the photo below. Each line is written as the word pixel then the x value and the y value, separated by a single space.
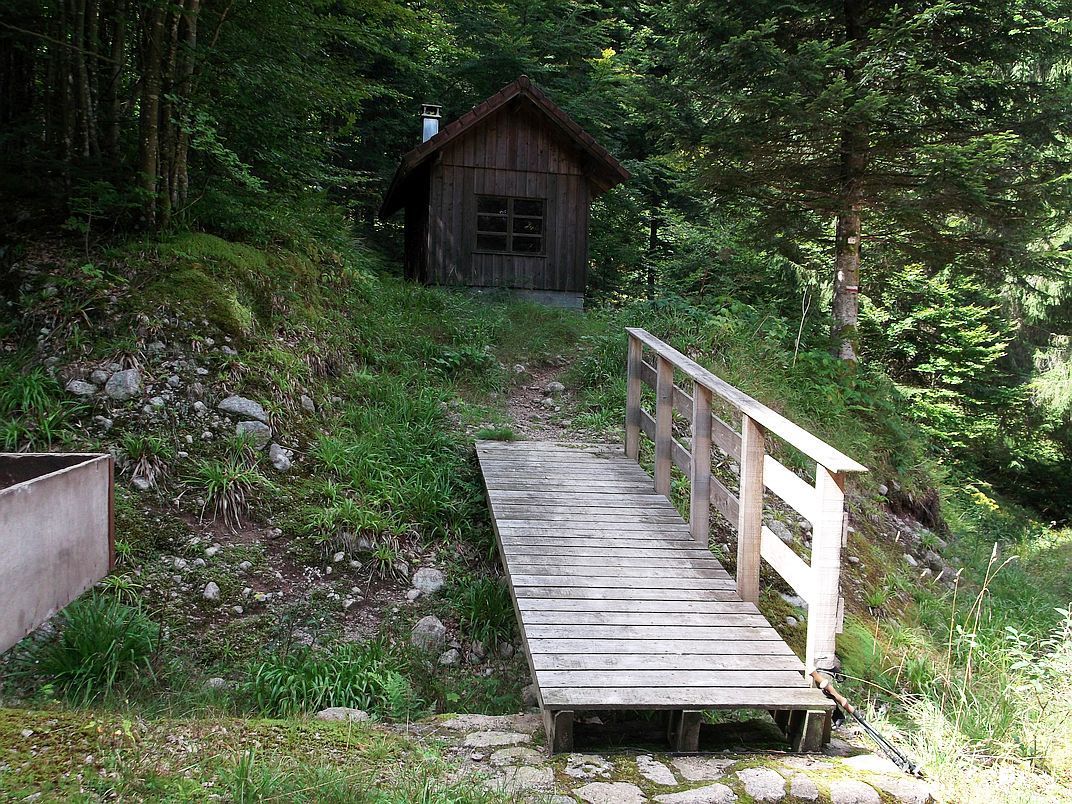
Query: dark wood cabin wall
pixel 514 156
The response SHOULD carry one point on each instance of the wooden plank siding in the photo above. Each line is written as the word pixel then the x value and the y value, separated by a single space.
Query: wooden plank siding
pixel 514 153
pixel 618 605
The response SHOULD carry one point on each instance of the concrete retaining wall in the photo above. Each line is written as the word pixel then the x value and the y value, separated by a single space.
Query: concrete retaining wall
pixel 56 535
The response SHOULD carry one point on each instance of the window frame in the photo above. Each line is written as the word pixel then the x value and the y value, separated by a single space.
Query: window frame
pixel 509 232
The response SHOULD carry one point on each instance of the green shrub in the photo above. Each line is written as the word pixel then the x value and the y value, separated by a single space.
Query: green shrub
pixel 227 487
pixel 103 644
pixel 484 608
pixel 360 675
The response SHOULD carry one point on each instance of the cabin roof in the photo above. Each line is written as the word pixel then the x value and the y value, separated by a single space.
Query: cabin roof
pixel 602 167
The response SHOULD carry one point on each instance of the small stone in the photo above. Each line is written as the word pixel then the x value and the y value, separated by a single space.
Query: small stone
pixel 429 634
pixel 343 713
pixel 850 791
pixel 237 609
pixel 428 580
pixel 307 404
pixel 587 766
pixel 854 559
pixel 548 402
pixel 348 602
pixel 449 658
pixel 478 649
pixel 156 346
pixel 413 594
pixel 245 566
pixel 81 388
pixel 653 770
pixel 796 601
pixel 199 562
pixel 701 769
pixel 781 530
pixel 528 696
pixel 762 784
pixel 217 683
pixel 905 790
pixel 141 483
pixel 27 733
pixel 103 422
pixel 212 591
pixel 505 650
pixel 554 388
pixel 883 489
pixel 157 402
pixel 610 793
pixel 800 786
pixel 99 377
pixel 910 560
pixel 174 381
pixel 791 622
pixel 518 755
pixel 933 561
pixel 124 385
pixel 279 457
pixel 211 551
pixel 227 350
pixel 246 408
pixel 179 563
pixel 258 433
pixel 491 739
pixel 200 408
pixel 710 794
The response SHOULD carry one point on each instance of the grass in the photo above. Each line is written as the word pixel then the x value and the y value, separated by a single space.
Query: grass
pixel 483 607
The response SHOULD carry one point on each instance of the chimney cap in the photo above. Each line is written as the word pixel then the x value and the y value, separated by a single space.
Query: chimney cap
pixel 430 110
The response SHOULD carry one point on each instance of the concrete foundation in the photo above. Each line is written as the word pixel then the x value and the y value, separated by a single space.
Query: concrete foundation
pixel 57 535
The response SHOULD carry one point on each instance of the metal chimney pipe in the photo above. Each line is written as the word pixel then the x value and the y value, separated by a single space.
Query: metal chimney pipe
pixel 430 115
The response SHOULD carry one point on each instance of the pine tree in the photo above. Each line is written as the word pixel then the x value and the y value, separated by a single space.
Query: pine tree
pixel 932 130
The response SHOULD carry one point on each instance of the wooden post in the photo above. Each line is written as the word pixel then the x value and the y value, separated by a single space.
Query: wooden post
pixel 700 465
pixel 750 515
pixel 632 397
pixel 683 730
pixel 825 569
pixel 558 724
pixel 664 412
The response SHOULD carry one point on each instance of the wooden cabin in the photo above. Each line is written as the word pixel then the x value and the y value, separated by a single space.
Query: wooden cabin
pixel 499 198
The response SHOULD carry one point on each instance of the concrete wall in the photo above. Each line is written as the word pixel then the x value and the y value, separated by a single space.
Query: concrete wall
pixel 56 535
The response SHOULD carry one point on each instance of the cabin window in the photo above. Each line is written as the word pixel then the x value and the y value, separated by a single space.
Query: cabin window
pixel 509 225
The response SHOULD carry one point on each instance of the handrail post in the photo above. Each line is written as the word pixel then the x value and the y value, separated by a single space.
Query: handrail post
pixel 750 512
pixel 826 569
pixel 700 465
pixel 664 411
pixel 632 397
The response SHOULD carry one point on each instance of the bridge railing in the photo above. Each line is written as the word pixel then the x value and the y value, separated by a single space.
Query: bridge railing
pixel 821 503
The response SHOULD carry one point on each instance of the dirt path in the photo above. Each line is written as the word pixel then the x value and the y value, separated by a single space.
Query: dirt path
pixel 536 407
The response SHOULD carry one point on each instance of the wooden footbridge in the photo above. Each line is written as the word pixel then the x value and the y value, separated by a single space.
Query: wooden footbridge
pixel 622 605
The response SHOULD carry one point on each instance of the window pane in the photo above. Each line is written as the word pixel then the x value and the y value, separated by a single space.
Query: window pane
pixel 528 206
pixel 490 223
pixel 491 204
pixel 533 226
pixel 528 245
pixel 491 242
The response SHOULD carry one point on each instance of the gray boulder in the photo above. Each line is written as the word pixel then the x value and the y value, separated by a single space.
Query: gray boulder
pixel 449 658
pixel 246 408
pixel 429 634
pixel 258 433
pixel 212 591
pixel 342 713
pixel 81 388
pixel 307 403
pixel 428 580
pixel 124 385
pixel 781 530
pixel 98 377
pixel 279 457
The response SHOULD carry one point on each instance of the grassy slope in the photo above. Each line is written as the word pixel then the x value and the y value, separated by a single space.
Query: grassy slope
pixel 401 374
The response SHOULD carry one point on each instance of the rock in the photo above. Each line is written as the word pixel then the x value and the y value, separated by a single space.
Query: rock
pixel 180 563
pixel 933 561
pixel 493 739
pixel 199 562
pixel 141 483
pixel 523 779
pixel 781 530
pixel 200 408
pixel 883 489
pixel 307 404
pixel 710 794
pixel 343 713
pixel 762 784
pixel 872 763
pixel 910 560
pixel 851 791
pixel 123 385
pixel 519 368
pixel 174 381
pixel 156 347
pixel 907 791
pixel 258 433
pixel 854 559
pixel 478 649
pixel 429 634
pixel 217 683
pixel 800 786
pixel 246 408
pixel 610 793
pixel 554 388
pixel 528 696
pixel 505 650
pixel 796 601
pixel 279 457
pixel 245 566
pixel 227 350
pixel 449 658
pixel 653 770
pixel 701 769
pixel 587 766
pixel 103 422
pixel 413 594
pixel 792 622
pixel 211 551
pixel 157 402
pixel 518 755
pixel 428 580
pixel 212 591
pixel 81 388
pixel 237 609
pixel 99 377
pixel 548 402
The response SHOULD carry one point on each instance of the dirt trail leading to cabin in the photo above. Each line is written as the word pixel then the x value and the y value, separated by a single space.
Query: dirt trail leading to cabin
pixel 533 417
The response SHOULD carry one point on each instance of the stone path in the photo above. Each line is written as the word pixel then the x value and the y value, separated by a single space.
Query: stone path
pixel 507 752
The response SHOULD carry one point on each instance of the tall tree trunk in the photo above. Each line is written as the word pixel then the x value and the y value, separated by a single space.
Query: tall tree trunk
pixel 653 246
pixel 182 178
pixel 854 161
pixel 114 104
pixel 149 119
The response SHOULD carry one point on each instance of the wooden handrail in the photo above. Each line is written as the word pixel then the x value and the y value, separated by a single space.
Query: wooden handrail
pixel 822 504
